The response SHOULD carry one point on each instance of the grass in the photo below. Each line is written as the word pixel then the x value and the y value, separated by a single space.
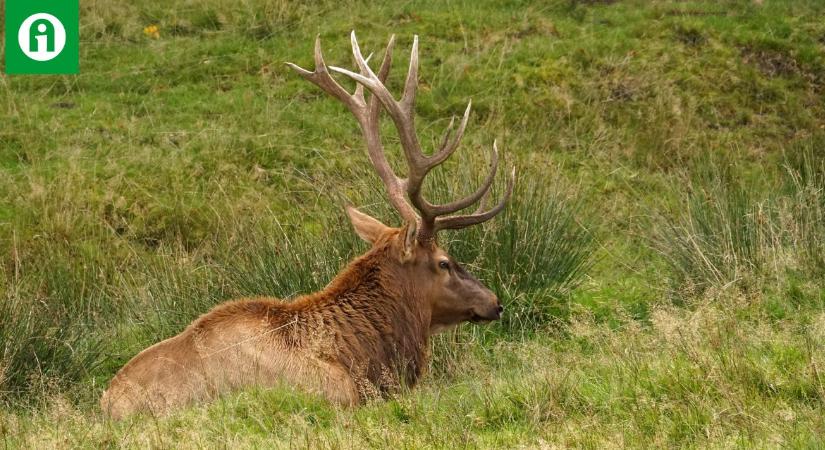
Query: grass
pixel 661 260
pixel 696 378
pixel 731 233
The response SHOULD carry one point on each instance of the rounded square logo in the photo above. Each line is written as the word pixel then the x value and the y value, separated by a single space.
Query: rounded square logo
pixel 42 36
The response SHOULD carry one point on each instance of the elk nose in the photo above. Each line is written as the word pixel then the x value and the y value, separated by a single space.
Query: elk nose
pixel 500 309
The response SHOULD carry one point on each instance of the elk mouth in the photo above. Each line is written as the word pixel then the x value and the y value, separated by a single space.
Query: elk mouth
pixel 487 314
pixel 478 318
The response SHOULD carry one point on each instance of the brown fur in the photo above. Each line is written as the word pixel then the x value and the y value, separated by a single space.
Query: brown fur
pixel 365 334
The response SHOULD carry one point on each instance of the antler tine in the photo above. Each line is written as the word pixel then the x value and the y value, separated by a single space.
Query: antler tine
pixel 369 80
pixel 359 88
pixel 448 147
pixel 322 79
pixel 471 199
pixel 383 73
pixel 363 65
pixel 411 85
pixel 456 222
pixel 366 119
pixel 445 138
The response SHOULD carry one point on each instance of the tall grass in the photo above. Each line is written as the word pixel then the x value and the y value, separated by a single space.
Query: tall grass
pixel 47 341
pixel 732 233
pixel 806 209
pixel 534 254
pixel 716 240
pixel 84 329
pixel 712 377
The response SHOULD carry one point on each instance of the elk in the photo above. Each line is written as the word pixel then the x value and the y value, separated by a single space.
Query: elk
pixel 367 333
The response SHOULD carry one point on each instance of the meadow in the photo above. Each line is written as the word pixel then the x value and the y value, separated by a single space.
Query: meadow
pixel 662 262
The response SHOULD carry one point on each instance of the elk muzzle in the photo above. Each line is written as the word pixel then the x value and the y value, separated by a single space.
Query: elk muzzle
pixel 490 310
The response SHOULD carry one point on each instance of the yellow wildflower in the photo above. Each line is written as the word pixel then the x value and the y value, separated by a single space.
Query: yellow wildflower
pixel 152 31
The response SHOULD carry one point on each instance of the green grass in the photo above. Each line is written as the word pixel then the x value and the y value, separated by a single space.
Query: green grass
pixel 661 261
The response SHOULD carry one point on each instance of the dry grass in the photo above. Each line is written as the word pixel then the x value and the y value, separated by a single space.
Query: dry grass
pixel 719 376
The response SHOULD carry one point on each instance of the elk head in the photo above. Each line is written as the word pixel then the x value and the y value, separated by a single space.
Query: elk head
pixel 453 294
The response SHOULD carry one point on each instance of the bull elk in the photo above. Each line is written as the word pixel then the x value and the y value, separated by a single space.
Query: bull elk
pixel 367 332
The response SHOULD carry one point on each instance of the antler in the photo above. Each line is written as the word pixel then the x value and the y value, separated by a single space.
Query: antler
pixel 432 217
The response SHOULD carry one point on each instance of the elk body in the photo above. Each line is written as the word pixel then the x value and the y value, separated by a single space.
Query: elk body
pixel 367 332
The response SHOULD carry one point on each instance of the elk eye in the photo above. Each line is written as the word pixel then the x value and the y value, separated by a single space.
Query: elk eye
pixel 444 265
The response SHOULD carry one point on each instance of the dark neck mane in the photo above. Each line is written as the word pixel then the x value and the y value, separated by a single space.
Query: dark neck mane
pixel 371 320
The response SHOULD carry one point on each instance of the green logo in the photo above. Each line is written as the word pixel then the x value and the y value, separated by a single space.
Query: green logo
pixel 42 36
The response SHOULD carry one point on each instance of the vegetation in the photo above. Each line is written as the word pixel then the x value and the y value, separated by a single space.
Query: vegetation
pixel 662 264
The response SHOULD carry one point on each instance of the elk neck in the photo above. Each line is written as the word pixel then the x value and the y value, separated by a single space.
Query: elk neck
pixel 376 316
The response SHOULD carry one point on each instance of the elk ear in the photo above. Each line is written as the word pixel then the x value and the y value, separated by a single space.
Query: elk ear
pixel 367 227
pixel 410 232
